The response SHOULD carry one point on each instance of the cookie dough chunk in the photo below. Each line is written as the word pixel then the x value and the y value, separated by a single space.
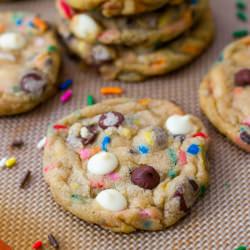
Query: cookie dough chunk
pixel 119 7
pixel 151 29
pixel 127 164
pixel 29 62
pixel 225 91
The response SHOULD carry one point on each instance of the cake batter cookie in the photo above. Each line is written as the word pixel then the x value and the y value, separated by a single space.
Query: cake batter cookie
pixel 29 62
pixel 127 164
pixel 225 91
pixel 151 29
pixel 119 7
pixel 139 63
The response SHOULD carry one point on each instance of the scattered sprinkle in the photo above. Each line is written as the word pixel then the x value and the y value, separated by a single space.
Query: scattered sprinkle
pixel 242 16
pixel 201 134
pixel 78 197
pixel 203 190
pixel 59 126
pixel 67 10
pixel 172 156
pixel 193 149
pixel 52 48
pixel 17 143
pixel 40 24
pixel 40 145
pixel 25 179
pixel 241 248
pixel 37 245
pixel 2 162
pixel 111 91
pixel 172 173
pixel 66 84
pixel 114 176
pixel 241 4
pixel 143 149
pixel 240 33
pixel 10 162
pixel 53 242
pixel 106 140
pixel 90 100
pixel 182 158
pixel 85 153
pixel 65 97
pixel 147 224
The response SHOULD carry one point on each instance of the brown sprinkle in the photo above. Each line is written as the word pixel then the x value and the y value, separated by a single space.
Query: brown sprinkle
pixel 53 242
pixel 25 179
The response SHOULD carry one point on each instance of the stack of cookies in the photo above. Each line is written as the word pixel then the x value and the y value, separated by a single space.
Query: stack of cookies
pixel 131 40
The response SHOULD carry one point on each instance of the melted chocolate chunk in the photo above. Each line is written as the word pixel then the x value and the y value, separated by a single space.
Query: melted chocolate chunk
pixel 245 137
pixel 145 177
pixel 92 134
pixel 242 77
pixel 33 82
pixel 194 185
pixel 179 193
pixel 111 119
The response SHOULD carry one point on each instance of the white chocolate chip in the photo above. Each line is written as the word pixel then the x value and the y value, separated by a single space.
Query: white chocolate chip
pixel 85 27
pixel 84 132
pixel 179 124
pixel 75 129
pixel 12 41
pixel 102 163
pixel 2 162
pixel 41 143
pixel 112 200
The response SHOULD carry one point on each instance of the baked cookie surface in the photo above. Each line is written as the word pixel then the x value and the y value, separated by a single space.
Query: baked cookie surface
pixel 127 164
pixel 150 29
pixel 29 62
pixel 119 7
pixel 225 91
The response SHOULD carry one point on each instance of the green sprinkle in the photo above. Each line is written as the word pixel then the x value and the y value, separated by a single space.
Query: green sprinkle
pixel 172 173
pixel 172 156
pixel 242 16
pixel 241 4
pixel 241 248
pixel 240 33
pixel 90 100
pixel 16 89
pixel 52 48
pixel 78 198
pixel 202 190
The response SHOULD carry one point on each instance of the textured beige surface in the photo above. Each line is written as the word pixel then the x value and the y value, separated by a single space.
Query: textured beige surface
pixel 220 221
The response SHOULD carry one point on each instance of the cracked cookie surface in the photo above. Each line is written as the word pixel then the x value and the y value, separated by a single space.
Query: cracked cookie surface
pixel 225 91
pixel 127 164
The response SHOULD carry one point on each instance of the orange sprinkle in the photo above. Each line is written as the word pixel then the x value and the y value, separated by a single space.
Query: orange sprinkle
pixel 158 63
pixel 111 90
pixel 40 24
pixel 2 28
pixel 190 49
pixel 237 90
pixel 95 150
pixel 144 101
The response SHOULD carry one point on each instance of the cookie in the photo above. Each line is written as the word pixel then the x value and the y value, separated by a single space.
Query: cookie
pixel 29 62
pixel 151 29
pixel 225 91
pixel 119 7
pixel 138 63
pixel 127 164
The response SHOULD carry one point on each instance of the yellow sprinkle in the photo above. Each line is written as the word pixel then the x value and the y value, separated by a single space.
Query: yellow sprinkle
pixel 125 132
pixel 148 137
pixel 144 101
pixel 74 186
pixel 10 162
pixel 137 122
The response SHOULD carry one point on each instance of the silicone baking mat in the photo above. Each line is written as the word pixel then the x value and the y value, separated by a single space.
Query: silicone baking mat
pixel 219 221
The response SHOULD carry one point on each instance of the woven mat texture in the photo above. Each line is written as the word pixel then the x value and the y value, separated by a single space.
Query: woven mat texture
pixel 219 221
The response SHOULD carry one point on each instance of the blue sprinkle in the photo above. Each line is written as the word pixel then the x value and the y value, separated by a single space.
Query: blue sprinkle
pixel 143 149
pixel 106 140
pixel 65 84
pixel 31 25
pixel 147 224
pixel 193 149
pixel 19 22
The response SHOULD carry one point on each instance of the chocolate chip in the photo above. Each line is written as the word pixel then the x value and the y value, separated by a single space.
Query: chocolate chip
pixel 194 185
pixel 33 82
pixel 25 179
pixel 92 134
pixel 245 137
pixel 17 143
pixel 53 242
pixel 160 136
pixel 111 119
pixel 179 193
pixel 242 77
pixel 145 176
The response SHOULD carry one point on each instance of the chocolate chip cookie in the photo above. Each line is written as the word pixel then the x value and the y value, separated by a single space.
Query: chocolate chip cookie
pixel 225 91
pixel 127 164
pixel 29 62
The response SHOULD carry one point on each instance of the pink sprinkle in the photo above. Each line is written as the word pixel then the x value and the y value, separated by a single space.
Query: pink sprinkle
pixel 246 122
pixel 113 176
pixel 85 153
pixel 66 96
pixel 48 168
pixel 182 158
pixel 144 213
